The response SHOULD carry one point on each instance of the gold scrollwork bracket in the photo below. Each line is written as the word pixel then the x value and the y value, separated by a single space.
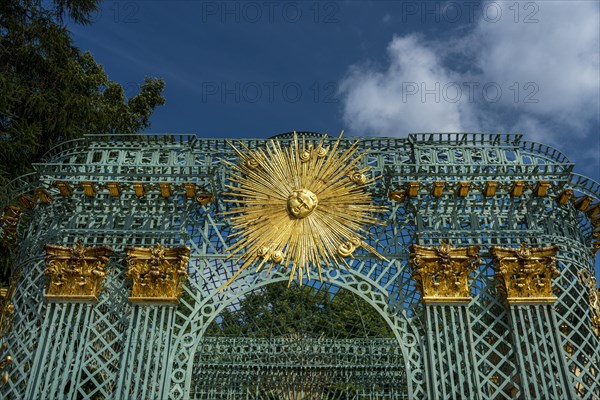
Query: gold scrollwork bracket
pixel 157 273
pixel 76 273
pixel 442 273
pixel 525 274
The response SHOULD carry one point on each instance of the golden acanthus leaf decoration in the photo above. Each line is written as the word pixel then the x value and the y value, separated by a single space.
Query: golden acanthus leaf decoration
pixel 442 273
pixel 157 273
pixel 525 274
pixel 299 206
pixel 76 273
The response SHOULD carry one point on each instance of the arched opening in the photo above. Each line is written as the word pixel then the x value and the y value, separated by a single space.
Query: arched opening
pixel 317 341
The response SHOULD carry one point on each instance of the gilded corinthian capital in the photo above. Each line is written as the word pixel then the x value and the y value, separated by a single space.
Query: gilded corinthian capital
pixel 525 274
pixel 76 273
pixel 442 273
pixel 157 273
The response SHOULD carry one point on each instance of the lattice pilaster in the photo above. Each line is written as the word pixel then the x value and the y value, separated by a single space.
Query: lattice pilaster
pixel 450 354
pixel 542 369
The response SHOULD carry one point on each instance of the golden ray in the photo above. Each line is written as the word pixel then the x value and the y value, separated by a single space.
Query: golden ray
pixel 298 206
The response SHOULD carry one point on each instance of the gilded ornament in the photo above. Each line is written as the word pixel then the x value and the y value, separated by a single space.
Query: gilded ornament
pixel 277 257
pixel 204 198
pixel 157 273
pixel 251 163
pixel 190 189
pixel 359 178
pixel 64 188
pixel 413 189
pixel 305 156
pixel 89 189
pixel 7 312
pixel 139 189
pixel 462 189
pixel 541 188
pixel 490 188
pixel 7 309
pixel 44 196
pixel 588 280
pixel 165 189
pixel 593 211
pixel 114 189
pixel 583 203
pixel 26 200
pixel 299 208
pixel 321 152
pixel 517 188
pixel 301 203
pixel 76 273
pixel 345 249
pixel 525 274
pixel 564 196
pixel 10 221
pixel 3 364
pixel 355 241
pixel 438 188
pixel 397 196
pixel 442 273
pixel 263 252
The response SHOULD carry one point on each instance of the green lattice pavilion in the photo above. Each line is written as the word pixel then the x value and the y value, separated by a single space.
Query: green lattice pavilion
pixel 474 278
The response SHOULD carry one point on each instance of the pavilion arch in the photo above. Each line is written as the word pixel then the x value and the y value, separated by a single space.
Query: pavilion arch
pixel 193 330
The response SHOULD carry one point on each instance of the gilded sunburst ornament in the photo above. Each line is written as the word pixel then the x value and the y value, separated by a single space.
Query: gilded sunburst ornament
pixel 299 206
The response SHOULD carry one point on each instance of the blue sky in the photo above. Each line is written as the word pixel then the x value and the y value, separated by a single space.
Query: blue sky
pixel 383 68
pixel 387 68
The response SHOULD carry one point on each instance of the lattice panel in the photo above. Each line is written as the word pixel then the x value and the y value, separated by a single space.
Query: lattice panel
pixel 299 368
pixel 491 337
pixel 145 362
pixel 578 338
pixel 28 319
pixel 540 362
pixel 450 350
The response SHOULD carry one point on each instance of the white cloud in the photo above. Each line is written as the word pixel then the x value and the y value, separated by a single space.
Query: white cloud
pixel 555 63
pixel 394 101
pixel 559 54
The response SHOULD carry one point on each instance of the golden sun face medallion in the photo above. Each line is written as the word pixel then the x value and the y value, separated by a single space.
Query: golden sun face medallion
pixel 299 205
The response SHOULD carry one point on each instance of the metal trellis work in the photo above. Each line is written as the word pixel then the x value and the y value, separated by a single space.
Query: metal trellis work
pixel 472 206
